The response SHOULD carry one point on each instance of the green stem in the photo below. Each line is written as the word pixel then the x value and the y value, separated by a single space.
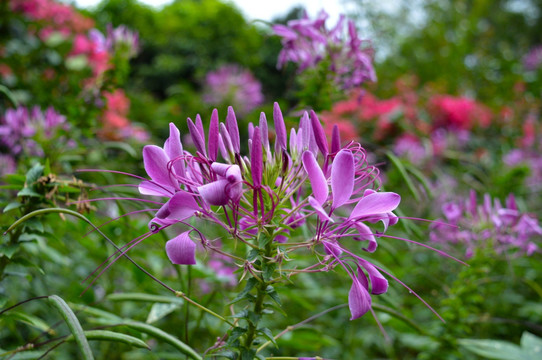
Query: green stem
pixel 201 307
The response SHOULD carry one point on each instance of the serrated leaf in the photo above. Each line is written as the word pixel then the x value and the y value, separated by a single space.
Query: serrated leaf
pixel 8 250
pixel 268 334
pixel 12 205
pixel 28 192
pixel 106 335
pixel 268 271
pixel 493 349
pixel 160 310
pixel 263 240
pixel 34 174
pixel 248 287
pixel 253 254
pixel 74 326
pixel 273 295
pixel 235 334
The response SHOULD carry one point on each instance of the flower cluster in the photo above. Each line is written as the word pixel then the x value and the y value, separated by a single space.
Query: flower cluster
pixel 234 85
pixel 458 113
pixel 503 228
pixel 22 130
pixel 116 125
pixel 263 197
pixel 307 43
pixel 533 59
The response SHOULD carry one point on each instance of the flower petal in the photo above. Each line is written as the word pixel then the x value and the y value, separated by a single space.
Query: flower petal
pixel 342 178
pixel 359 300
pixel 233 129
pixel 256 160
pixel 155 162
pixel 150 188
pixel 174 149
pixel 365 233
pixel 280 127
pixel 316 177
pixel 322 214
pixel 181 250
pixel 213 136
pixel 182 205
pixel 335 139
pixel 215 193
pixel 376 203
pixel 379 284
pixel 319 134
pixel 197 137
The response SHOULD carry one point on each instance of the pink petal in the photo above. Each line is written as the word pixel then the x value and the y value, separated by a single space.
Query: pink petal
pixel 342 178
pixel 379 284
pixel 181 250
pixel 197 137
pixel 155 161
pixel 215 193
pixel 359 300
pixel 256 160
pixel 280 127
pixel 174 149
pixel 316 177
pixel 365 233
pixel 335 139
pixel 319 133
pixel 213 136
pixel 376 203
pixel 319 209
pixel 150 188
pixel 182 205
pixel 233 129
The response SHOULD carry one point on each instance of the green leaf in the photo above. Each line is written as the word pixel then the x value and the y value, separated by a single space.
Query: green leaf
pixel 164 336
pixel 15 179
pixel 106 335
pixel 531 345
pixel 8 250
pixel 268 334
pixel 159 310
pixel 121 146
pixel 96 312
pixel 26 355
pixel 248 354
pixel 28 192
pixel 399 165
pixel 273 295
pixel 35 225
pixel 235 334
pixel 12 205
pixel 250 284
pixel 263 240
pixel 493 349
pixel 32 321
pixel 34 174
pixel 144 297
pixel 268 271
pixel 73 325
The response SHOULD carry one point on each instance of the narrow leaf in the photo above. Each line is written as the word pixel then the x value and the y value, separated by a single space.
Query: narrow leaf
pixel 106 335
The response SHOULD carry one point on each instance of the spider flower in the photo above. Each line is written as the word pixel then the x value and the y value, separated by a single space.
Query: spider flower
pixel 308 43
pixel 331 191
pixel 502 227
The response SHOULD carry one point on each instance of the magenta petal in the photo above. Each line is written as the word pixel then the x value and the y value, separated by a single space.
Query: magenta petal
pixel 215 193
pixel 150 188
pixel 280 127
pixel 365 233
pixel 174 149
pixel 264 130
pixel 226 138
pixel 220 169
pixel 359 300
pixel 342 178
pixel 335 139
pixel 256 160
pixel 305 125
pixel 233 174
pixel 181 250
pixel 197 138
pixel 322 214
pixel 156 161
pixel 379 284
pixel 182 205
pixel 319 134
pixel 376 203
pixel 316 177
pixel 213 136
pixel 233 129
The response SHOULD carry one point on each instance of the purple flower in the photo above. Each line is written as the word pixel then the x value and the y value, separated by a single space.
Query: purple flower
pixel 231 84
pixel 533 59
pixel 504 228
pixel 121 41
pixel 307 43
pixel 272 192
